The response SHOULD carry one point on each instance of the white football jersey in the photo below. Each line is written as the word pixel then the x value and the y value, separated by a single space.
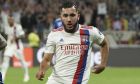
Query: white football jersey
pixel 73 53
pixel 14 31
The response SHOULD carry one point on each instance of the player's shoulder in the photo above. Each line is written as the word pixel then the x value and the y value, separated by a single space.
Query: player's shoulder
pixel 56 32
pixel 58 29
pixel 86 26
pixel 91 29
pixel 18 25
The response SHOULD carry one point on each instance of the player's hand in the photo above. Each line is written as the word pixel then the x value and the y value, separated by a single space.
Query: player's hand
pixel 98 69
pixel 40 75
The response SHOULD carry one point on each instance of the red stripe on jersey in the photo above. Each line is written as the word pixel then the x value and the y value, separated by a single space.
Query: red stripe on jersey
pixel 80 63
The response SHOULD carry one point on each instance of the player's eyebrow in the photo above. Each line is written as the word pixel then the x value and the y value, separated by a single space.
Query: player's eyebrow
pixel 71 15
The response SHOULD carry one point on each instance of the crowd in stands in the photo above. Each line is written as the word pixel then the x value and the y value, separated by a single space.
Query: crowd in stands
pixel 119 19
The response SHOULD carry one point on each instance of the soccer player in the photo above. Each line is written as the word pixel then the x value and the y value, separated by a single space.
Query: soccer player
pixel 14 47
pixel 57 23
pixel 72 46
pixel 95 58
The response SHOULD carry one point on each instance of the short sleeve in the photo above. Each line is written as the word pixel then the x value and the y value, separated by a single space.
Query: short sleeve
pixel 50 44
pixel 98 36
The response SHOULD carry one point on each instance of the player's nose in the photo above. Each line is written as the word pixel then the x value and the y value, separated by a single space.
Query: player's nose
pixel 69 19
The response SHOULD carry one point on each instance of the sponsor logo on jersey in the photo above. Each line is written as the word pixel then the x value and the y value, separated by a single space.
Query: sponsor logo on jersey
pixel 73 49
pixel 84 38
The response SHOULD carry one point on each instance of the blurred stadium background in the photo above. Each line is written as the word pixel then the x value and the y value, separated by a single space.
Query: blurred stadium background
pixel 119 20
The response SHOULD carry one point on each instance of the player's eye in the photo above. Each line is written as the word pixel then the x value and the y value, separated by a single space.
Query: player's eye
pixel 72 15
pixel 65 15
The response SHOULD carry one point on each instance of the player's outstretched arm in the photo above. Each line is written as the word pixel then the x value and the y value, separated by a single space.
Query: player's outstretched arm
pixel 44 65
pixel 104 53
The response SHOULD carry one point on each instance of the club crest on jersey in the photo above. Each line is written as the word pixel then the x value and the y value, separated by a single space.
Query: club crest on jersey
pixel 84 38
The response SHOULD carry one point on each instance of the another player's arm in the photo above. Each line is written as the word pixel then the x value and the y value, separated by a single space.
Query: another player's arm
pixel 16 38
pixel 19 37
pixel 44 65
pixel 21 33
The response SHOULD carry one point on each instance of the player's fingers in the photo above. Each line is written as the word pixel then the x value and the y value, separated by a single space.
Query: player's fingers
pixel 41 79
pixel 98 69
pixel 40 75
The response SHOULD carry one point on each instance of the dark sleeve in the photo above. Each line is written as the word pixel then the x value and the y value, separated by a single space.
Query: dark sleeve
pixel 3 42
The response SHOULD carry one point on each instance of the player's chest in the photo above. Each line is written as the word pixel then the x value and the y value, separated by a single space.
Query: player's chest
pixel 10 31
pixel 72 39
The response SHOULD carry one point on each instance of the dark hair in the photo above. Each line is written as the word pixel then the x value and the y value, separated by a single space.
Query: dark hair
pixel 69 4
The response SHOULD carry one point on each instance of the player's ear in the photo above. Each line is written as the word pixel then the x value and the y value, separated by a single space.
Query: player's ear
pixel 60 15
pixel 78 16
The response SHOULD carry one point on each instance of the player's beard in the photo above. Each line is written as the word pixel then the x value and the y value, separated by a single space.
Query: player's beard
pixel 74 29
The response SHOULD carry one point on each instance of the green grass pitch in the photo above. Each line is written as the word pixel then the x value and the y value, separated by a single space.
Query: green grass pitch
pixel 109 76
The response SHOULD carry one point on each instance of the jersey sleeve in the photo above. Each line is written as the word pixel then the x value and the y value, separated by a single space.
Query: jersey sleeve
pixel 20 31
pixel 98 37
pixel 50 44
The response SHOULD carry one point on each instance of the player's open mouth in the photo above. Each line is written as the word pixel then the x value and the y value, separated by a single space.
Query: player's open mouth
pixel 69 24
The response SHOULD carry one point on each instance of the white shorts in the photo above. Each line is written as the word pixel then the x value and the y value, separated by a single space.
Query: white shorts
pixel 13 51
